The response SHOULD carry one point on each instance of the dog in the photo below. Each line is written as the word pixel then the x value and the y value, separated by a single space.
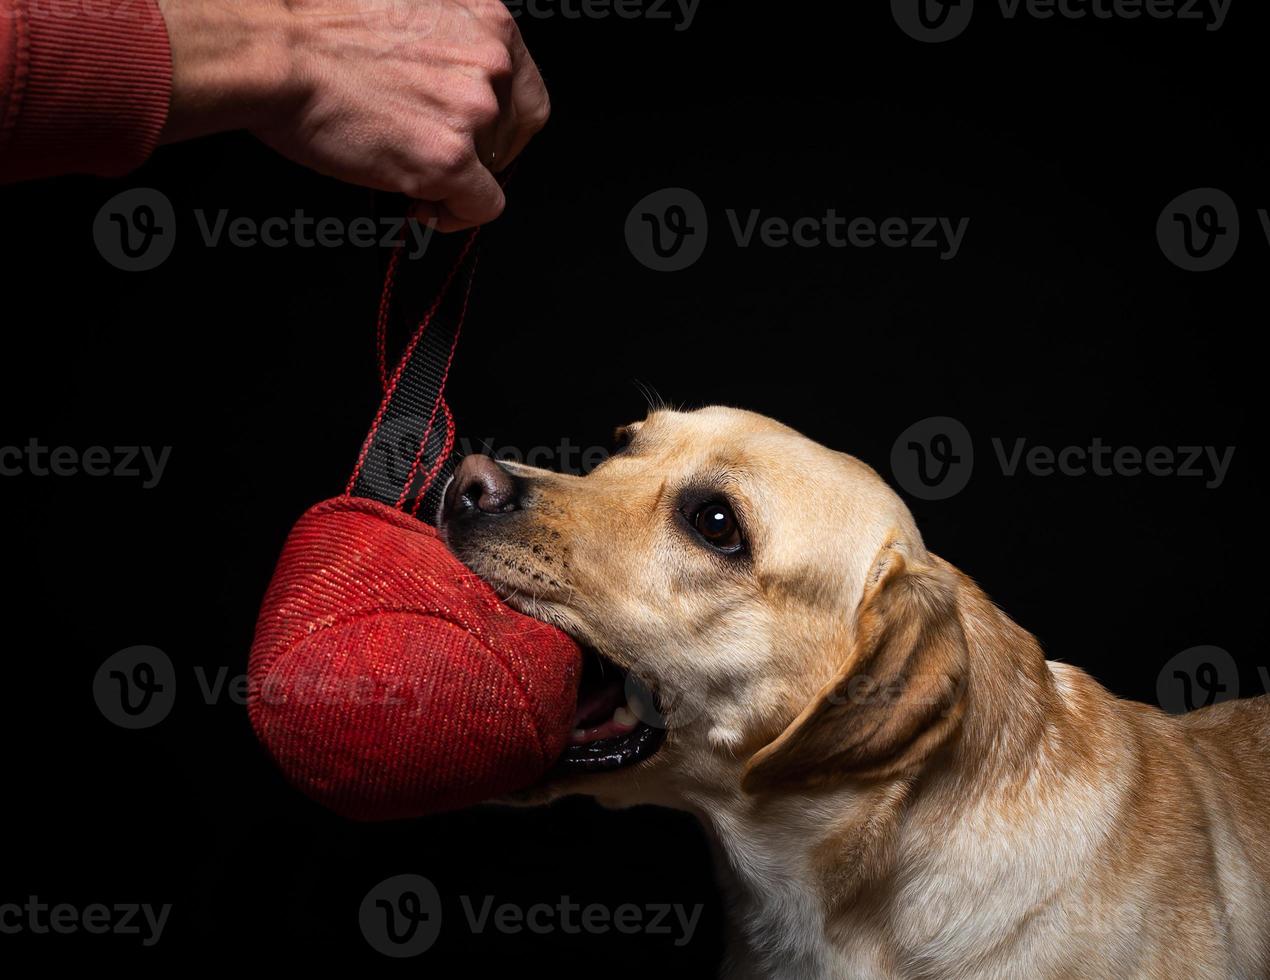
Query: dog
pixel 897 783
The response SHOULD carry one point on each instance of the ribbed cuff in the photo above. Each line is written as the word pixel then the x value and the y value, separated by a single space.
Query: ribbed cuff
pixel 90 87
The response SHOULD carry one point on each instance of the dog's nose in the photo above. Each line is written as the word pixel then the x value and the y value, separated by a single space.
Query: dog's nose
pixel 480 486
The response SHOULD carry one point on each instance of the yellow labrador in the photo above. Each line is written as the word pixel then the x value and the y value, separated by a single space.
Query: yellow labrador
pixel 898 782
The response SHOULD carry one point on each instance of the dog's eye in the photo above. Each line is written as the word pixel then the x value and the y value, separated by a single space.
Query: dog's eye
pixel 716 523
pixel 621 439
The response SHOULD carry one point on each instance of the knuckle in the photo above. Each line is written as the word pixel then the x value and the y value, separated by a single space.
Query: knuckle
pixel 480 107
pixel 417 188
pixel 500 19
pixel 494 58
pixel 537 117
pixel 451 155
pixel 494 208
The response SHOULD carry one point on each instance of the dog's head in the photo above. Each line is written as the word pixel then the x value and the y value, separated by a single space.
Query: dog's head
pixel 762 609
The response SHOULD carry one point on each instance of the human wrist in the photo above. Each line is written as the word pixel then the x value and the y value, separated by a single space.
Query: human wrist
pixel 233 65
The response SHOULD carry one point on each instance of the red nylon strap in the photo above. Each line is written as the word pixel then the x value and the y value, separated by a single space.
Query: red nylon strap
pixel 381 324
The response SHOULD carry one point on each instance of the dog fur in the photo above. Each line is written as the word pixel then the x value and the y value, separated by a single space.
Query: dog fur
pixel 897 783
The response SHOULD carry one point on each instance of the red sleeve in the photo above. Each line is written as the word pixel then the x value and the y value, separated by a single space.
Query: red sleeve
pixel 84 86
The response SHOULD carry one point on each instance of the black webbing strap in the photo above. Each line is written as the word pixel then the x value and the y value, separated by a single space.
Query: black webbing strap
pixel 406 457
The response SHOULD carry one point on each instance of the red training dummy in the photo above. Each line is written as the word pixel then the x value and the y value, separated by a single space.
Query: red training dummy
pixel 386 679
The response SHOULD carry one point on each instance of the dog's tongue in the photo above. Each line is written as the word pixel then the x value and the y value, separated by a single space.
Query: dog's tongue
pixel 602 713
pixel 596 703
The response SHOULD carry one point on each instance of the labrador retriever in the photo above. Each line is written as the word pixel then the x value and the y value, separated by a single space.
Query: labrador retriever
pixel 897 782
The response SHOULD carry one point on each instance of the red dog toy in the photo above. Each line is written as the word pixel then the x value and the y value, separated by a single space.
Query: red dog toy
pixel 386 679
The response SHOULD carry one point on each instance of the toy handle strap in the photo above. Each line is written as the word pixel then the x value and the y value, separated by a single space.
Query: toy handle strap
pixel 405 458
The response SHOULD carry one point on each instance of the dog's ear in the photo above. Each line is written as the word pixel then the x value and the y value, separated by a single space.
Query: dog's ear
pixel 898 695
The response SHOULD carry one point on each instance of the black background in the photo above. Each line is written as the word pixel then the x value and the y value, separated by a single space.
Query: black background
pixel 1060 320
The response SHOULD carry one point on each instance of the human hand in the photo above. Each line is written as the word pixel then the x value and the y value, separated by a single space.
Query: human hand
pixel 428 98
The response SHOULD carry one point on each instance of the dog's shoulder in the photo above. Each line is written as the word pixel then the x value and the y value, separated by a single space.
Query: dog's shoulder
pixel 1244 718
pixel 1234 739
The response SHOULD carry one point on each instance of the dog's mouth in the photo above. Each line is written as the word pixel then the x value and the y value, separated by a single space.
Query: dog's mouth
pixel 617 722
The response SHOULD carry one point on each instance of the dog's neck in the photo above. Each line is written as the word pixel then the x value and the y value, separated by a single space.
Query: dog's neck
pixel 769 863
pixel 794 864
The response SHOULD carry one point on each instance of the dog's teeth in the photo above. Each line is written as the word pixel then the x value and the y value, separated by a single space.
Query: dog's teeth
pixel 636 706
pixel 624 716
pixel 577 734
